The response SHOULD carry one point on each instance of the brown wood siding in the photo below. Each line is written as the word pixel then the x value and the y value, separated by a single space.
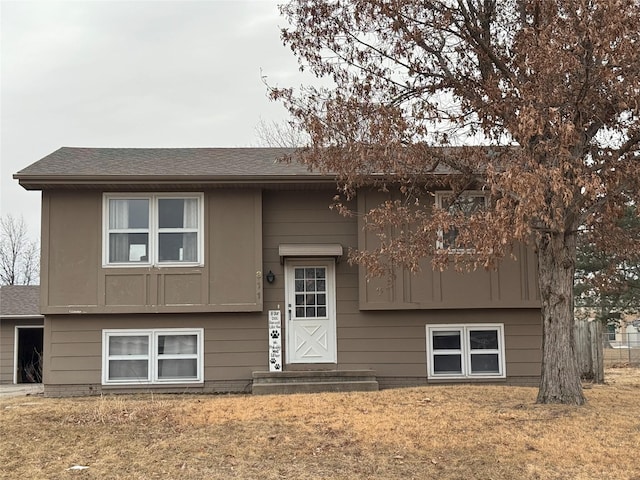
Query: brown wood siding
pixel 7 345
pixel 234 344
pixel 512 285
pixel 393 342
pixel 74 281
pixel 390 341
pixel 71 248
pixel 234 248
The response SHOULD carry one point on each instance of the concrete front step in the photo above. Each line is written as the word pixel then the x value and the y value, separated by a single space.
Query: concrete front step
pixel 314 381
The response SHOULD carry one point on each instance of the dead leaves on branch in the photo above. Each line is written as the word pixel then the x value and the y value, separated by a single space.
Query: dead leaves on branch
pixel 558 81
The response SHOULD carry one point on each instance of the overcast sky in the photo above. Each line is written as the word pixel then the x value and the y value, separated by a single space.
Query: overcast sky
pixel 133 74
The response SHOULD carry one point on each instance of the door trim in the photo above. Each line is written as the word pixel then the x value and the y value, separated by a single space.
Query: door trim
pixel 16 343
pixel 332 346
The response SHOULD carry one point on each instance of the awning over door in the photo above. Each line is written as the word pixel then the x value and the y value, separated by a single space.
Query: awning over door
pixel 287 250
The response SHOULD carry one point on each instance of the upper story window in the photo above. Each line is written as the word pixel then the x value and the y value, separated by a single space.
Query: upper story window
pixel 153 229
pixel 467 203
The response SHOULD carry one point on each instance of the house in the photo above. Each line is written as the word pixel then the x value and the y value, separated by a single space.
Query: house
pixel 21 334
pixel 201 269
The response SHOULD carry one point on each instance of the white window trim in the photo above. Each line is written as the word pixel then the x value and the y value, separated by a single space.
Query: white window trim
pixel 153 229
pixel 466 351
pixel 153 356
pixel 440 195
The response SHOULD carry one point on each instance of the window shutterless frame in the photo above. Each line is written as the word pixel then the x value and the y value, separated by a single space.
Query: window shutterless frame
pixel 153 229
pixel 445 241
pixel 152 356
pixel 465 351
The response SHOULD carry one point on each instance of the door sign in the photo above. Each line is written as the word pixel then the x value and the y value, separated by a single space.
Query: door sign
pixel 275 341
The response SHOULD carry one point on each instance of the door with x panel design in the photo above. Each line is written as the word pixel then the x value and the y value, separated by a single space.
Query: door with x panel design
pixel 311 311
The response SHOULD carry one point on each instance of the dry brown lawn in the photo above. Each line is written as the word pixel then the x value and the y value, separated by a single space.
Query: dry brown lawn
pixel 443 432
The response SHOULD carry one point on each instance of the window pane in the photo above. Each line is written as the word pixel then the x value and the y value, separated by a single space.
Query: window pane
pixel 447 363
pixel 128 247
pixel 466 204
pixel 129 345
pixel 128 370
pixel 171 213
pixel 178 368
pixel 446 340
pixel 299 273
pixel 177 344
pixel 483 339
pixel 178 247
pixel 484 363
pixel 129 213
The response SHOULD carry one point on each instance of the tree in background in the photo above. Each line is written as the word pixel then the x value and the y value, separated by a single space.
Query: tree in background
pixel 608 283
pixel 19 256
pixel 279 134
pixel 553 83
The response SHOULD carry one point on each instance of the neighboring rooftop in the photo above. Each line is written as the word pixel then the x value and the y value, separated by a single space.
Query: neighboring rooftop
pixel 19 300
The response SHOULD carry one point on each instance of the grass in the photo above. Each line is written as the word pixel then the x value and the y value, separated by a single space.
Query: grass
pixel 444 432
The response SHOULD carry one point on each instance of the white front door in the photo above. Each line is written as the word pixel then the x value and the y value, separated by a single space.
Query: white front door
pixel 311 311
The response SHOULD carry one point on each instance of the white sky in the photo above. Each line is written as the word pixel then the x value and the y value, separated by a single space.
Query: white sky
pixel 133 74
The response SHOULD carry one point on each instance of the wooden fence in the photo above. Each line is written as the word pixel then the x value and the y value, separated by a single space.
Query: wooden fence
pixel 588 339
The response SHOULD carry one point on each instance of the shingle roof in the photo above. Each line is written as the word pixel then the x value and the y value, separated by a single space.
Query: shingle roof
pixel 20 300
pixel 213 162
pixel 116 168
pixel 69 165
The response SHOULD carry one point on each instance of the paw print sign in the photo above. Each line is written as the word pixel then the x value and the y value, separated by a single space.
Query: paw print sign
pixel 275 341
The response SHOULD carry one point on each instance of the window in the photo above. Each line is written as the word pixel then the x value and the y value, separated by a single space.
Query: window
pixel 153 229
pixel 465 351
pixel 467 203
pixel 311 292
pixel 152 356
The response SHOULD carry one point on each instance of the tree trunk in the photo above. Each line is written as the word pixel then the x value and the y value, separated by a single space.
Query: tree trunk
pixel 560 379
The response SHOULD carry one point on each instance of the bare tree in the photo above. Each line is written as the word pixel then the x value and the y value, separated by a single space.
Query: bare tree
pixel 553 83
pixel 281 135
pixel 19 256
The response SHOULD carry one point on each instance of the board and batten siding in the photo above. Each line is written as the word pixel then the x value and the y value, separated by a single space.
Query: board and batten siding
pixel 73 279
pixel 512 285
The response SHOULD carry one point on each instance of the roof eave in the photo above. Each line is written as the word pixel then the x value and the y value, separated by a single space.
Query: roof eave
pixel 44 182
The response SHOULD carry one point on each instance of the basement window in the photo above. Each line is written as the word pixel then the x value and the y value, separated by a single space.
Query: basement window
pixel 159 356
pixel 466 351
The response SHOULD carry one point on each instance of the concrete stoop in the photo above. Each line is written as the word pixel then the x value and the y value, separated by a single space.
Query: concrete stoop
pixel 314 381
